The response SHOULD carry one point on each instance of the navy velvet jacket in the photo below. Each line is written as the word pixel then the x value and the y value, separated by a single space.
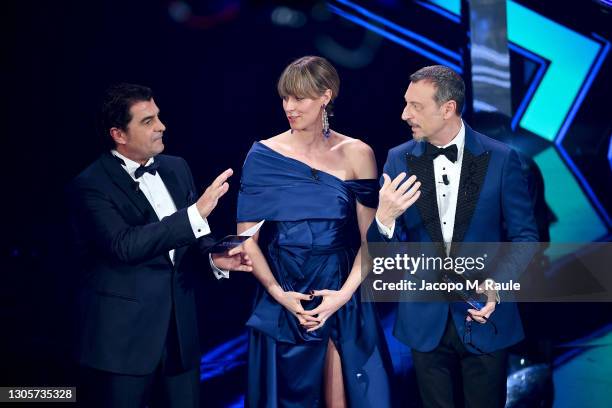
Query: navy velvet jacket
pixel 493 205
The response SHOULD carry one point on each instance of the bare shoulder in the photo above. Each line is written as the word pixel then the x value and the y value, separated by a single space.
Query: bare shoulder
pixel 355 149
pixel 359 155
pixel 278 142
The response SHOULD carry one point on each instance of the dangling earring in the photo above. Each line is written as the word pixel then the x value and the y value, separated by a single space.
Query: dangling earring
pixel 326 131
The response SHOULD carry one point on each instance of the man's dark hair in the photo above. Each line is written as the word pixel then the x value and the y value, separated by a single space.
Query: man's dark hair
pixel 115 109
pixel 449 85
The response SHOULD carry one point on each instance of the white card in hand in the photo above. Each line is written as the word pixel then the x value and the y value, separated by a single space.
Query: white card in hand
pixel 232 241
pixel 253 230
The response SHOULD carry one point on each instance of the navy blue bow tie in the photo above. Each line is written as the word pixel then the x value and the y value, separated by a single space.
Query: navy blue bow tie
pixel 450 152
pixel 151 169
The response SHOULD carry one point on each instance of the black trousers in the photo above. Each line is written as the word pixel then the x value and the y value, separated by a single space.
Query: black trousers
pixel 170 385
pixel 451 376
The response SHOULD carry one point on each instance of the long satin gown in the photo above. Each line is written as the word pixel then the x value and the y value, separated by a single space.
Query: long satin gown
pixel 310 239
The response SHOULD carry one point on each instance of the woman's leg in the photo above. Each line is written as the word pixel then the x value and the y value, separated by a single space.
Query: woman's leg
pixel 334 383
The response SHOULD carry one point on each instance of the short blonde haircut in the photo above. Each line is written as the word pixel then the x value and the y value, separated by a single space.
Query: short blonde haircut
pixel 308 77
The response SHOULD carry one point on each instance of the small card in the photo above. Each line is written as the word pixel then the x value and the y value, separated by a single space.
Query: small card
pixel 232 241
pixel 476 300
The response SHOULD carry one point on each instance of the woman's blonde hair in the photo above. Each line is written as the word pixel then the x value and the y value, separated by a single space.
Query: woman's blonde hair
pixel 309 77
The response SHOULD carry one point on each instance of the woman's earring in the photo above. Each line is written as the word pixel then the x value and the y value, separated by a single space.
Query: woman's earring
pixel 326 131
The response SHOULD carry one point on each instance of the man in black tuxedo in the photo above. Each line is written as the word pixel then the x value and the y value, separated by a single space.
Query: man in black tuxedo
pixel 135 213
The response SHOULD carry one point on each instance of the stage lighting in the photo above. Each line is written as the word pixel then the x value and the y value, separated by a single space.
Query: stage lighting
pixel 606 5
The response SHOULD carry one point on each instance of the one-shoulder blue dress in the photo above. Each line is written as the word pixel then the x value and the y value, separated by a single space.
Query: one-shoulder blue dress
pixel 310 240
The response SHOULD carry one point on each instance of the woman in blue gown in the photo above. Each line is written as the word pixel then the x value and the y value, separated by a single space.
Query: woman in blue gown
pixel 312 342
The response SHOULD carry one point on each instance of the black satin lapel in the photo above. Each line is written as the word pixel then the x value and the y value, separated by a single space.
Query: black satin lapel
pixel 130 187
pixel 427 204
pixel 179 196
pixel 169 178
pixel 473 172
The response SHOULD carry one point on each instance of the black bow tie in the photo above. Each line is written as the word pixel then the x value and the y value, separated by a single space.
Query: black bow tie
pixel 450 152
pixel 151 169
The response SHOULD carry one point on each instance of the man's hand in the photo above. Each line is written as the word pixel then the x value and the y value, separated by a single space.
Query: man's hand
pixel 482 315
pixel 395 199
pixel 233 260
pixel 208 201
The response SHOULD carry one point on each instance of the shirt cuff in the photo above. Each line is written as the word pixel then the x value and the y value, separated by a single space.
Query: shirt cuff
pixel 219 273
pixel 383 229
pixel 199 225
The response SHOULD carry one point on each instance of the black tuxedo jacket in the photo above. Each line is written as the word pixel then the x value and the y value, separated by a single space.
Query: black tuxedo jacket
pixel 128 285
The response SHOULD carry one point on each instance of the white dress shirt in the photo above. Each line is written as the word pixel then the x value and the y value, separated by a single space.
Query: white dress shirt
pixel 446 194
pixel 159 197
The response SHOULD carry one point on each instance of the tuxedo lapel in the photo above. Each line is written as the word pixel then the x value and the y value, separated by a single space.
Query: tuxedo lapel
pixel 422 167
pixel 170 179
pixel 130 188
pixel 179 196
pixel 473 171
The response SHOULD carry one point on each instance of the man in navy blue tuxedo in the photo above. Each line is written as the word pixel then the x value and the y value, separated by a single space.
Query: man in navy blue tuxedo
pixel 465 187
pixel 135 213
